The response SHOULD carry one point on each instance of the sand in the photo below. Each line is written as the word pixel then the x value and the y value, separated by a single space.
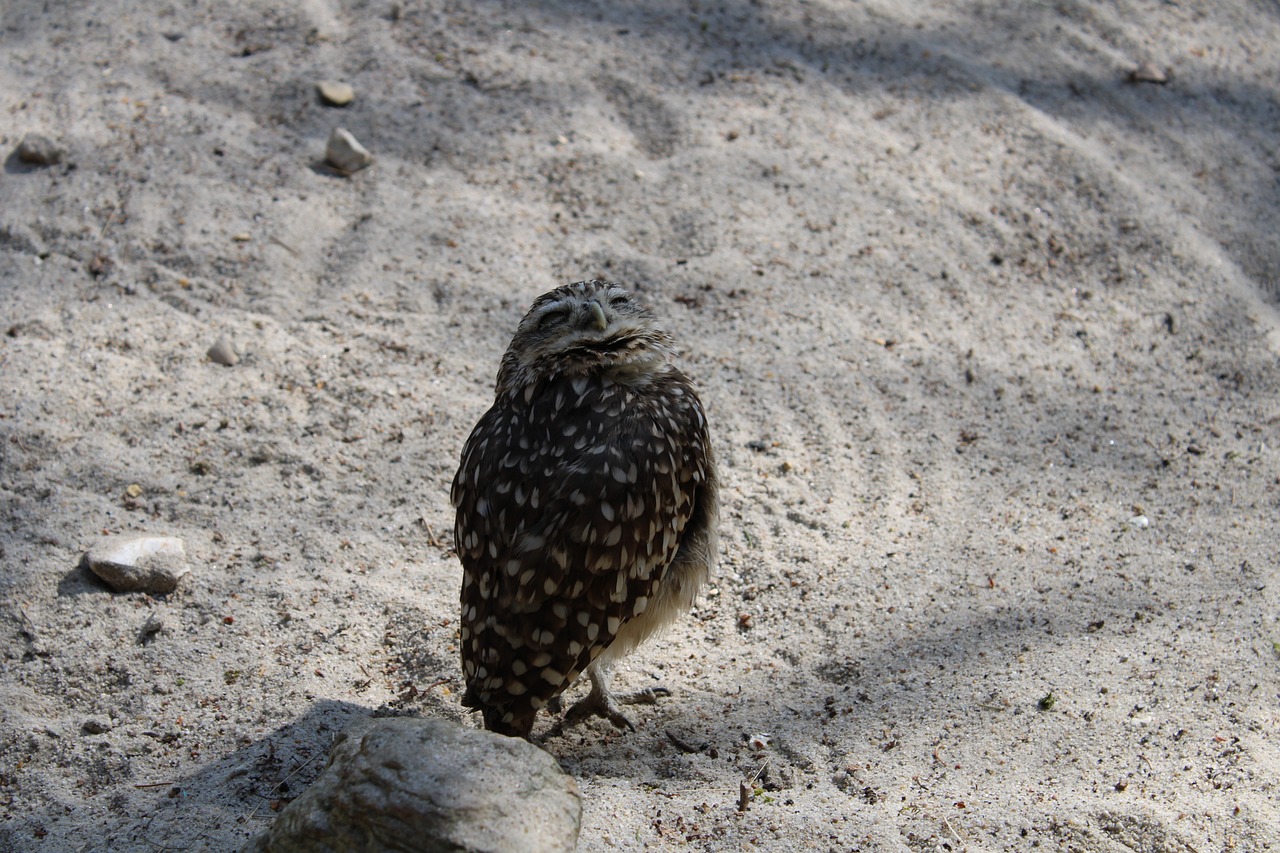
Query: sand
pixel 987 333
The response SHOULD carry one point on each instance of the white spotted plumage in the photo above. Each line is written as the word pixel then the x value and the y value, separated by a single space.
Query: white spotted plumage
pixel 586 504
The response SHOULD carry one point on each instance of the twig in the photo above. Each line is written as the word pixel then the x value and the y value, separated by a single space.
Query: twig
pixel 951 829
pixel 28 627
pixel 432 539
pixel 303 766
pixel 746 791
pixel 285 246
pixel 110 216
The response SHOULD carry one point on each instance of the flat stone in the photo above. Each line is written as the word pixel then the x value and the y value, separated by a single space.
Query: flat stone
pixel 1148 72
pixel 39 150
pixel 335 94
pixel 139 563
pixel 403 784
pixel 345 153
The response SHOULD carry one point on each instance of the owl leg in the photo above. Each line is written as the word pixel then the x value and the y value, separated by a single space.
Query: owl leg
pixel 602 702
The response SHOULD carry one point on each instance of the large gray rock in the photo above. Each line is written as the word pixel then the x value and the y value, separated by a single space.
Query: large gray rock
pixel 421 785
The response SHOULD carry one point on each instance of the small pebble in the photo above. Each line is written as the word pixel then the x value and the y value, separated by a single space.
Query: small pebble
pixel 345 153
pixel 224 352
pixel 39 150
pixel 335 94
pixel 95 726
pixel 1148 72
pixel 100 264
pixel 154 625
pixel 139 563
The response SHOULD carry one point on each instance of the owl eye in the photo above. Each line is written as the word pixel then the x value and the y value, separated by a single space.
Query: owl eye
pixel 552 317
pixel 618 299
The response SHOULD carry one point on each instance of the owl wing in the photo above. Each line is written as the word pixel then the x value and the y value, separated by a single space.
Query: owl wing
pixel 569 514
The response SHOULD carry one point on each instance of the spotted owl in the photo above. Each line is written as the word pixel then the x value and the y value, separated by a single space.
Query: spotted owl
pixel 586 505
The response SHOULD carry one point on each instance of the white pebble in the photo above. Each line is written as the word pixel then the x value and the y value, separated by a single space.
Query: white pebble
pixel 335 94
pixel 345 153
pixel 139 563
pixel 223 352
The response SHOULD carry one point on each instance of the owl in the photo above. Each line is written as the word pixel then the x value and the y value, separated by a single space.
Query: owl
pixel 586 505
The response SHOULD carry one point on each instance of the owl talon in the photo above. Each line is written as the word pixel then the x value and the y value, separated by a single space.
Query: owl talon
pixel 600 702
pixel 647 696
pixel 599 705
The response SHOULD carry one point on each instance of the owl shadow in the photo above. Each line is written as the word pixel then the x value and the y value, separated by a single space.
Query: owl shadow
pixel 232 799
pixel 224 803
pixel 791 719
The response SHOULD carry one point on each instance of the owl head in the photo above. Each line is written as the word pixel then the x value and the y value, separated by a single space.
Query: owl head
pixel 581 328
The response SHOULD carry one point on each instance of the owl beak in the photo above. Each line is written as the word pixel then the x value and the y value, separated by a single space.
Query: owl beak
pixel 597 315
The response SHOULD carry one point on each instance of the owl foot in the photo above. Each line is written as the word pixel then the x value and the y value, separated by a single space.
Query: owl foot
pixel 601 702
pixel 647 696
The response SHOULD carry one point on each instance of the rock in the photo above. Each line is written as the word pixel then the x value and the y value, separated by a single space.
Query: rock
pixel 1148 72
pixel 345 153
pixel 335 94
pixel 139 563
pixel 147 633
pixel 404 784
pixel 39 150
pixel 95 726
pixel 223 352
pixel 100 264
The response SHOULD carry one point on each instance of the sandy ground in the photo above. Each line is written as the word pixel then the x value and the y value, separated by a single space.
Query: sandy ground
pixel 987 333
